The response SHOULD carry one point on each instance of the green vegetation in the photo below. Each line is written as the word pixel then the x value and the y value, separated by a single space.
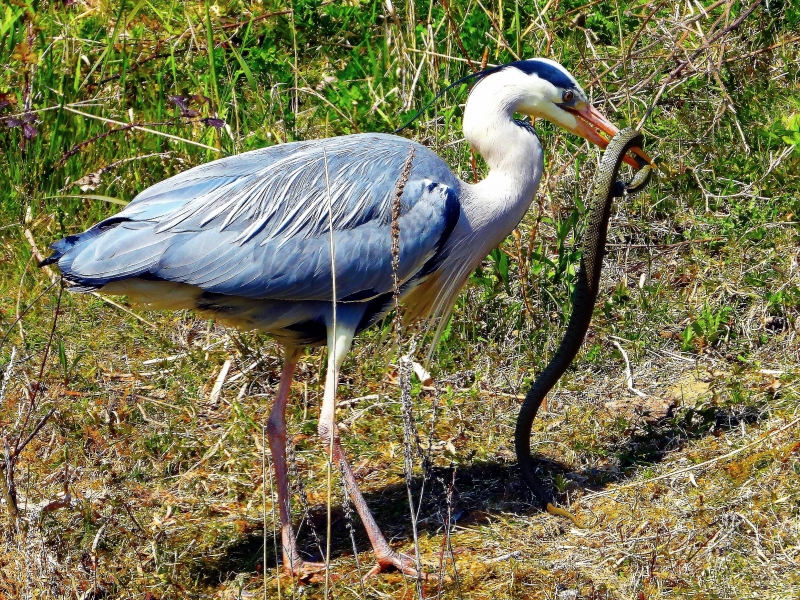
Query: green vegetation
pixel 141 484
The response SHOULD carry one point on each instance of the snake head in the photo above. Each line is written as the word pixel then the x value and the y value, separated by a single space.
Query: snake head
pixel 591 124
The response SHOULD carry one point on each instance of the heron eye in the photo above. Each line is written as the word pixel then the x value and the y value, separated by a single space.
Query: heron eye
pixel 567 96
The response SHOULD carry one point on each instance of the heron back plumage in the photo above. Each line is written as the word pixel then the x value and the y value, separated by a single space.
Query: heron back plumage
pixel 256 225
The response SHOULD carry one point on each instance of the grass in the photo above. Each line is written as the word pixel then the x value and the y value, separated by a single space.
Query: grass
pixel 141 485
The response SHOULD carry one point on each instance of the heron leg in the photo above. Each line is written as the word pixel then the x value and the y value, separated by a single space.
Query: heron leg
pixel 328 431
pixel 276 431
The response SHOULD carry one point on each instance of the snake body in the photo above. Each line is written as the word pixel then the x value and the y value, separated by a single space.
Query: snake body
pixel 604 188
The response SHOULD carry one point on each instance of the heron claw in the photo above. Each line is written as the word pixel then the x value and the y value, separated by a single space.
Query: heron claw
pixel 309 572
pixel 401 562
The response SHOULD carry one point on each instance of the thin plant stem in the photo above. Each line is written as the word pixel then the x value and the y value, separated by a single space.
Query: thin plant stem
pixel 332 350
pixel 32 405
pixel 24 312
pixel 348 516
pixel 264 471
pixel 405 361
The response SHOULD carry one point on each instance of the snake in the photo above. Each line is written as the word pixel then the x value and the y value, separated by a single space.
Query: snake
pixel 605 188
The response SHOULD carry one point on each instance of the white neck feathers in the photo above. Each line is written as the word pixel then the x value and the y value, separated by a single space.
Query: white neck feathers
pixel 493 207
pixel 512 152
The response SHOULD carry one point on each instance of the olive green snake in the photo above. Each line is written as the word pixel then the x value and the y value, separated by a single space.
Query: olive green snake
pixel 604 188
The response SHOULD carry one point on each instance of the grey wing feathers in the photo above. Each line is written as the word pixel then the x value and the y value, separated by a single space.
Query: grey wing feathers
pixel 257 224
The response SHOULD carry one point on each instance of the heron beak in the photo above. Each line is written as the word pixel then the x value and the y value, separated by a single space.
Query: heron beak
pixel 590 122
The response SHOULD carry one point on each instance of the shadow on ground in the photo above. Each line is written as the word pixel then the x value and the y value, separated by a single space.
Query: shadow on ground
pixel 480 489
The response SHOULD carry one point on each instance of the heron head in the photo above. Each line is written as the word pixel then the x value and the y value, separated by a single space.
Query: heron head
pixel 547 90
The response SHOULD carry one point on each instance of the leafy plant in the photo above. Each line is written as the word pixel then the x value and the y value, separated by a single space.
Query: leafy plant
pixel 792 132
pixel 500 260
pixel 707 328
pixel 786 298
pixel 68 366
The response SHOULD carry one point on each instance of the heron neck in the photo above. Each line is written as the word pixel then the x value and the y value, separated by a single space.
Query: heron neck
pixel 511 150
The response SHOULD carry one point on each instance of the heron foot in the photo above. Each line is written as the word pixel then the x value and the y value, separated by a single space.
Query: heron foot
pixel 401 562
pixel 308 572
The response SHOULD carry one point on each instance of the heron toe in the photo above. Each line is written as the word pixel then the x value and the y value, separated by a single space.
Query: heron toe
pixel 401 562
pixel 308 572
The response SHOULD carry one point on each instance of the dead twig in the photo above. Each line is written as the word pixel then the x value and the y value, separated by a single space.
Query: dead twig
pixel 457 36
pixel 332 351
pixel 12 455
pixel 258 18
pixel 21 446
pixel 628 374
pixel 677 71
pixel 405 362
pixel 141 127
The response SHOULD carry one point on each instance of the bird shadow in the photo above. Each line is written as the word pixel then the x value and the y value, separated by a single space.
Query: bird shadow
pixel 472 493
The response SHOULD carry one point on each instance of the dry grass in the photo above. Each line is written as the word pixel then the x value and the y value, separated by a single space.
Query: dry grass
pixel 165 487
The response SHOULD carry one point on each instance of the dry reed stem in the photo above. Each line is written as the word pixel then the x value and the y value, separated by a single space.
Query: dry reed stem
pixel 169 136
pixel 404 375
pixel 264 476
pixel 332 351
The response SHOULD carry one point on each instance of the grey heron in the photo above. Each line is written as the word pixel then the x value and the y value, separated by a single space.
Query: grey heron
pixel 249 239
